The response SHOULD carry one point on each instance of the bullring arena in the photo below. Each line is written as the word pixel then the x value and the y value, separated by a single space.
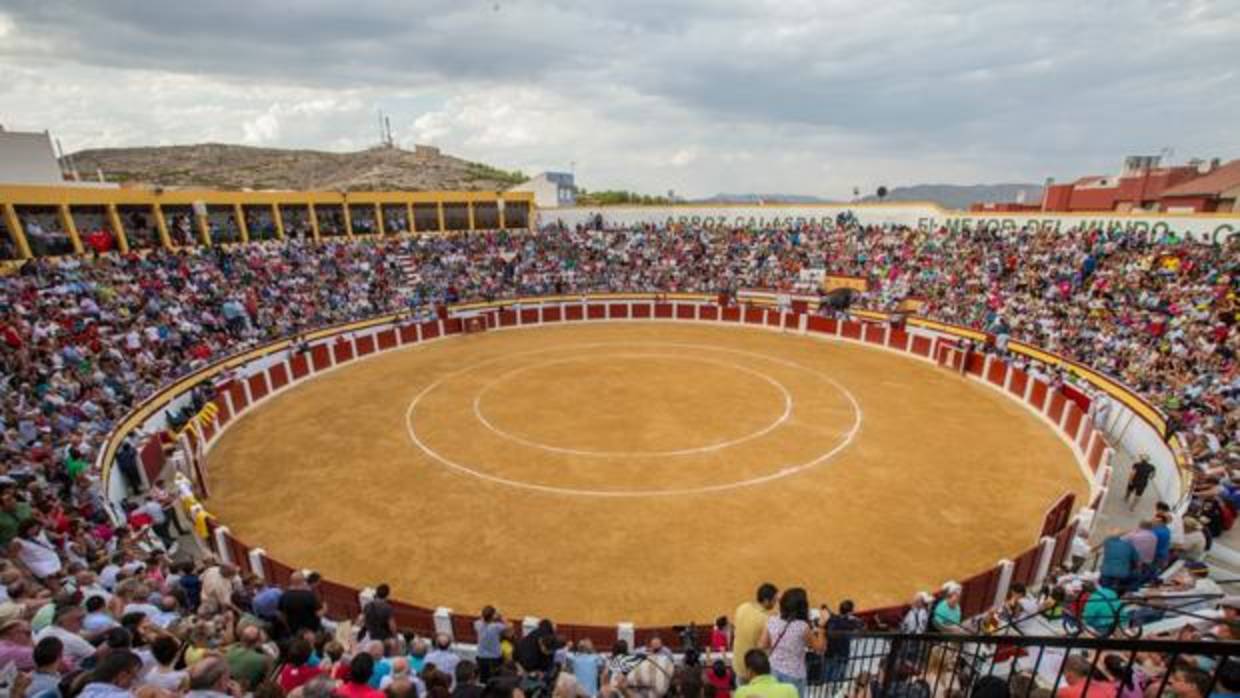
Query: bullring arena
pixel 596 472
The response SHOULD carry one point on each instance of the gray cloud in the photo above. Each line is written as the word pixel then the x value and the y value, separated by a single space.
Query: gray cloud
pixel 812 95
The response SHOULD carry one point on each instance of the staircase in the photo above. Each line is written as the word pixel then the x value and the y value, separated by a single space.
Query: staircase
pixel 408 274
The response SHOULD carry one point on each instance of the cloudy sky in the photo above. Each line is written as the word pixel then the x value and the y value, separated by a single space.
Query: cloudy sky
pixel 700 96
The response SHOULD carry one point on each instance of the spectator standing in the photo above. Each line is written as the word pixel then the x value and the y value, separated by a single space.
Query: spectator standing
pixel 839 626
pixel 749 623
pixel 788 636
pixel 587 666
pixel 490 631
pixel 377 616
pixel 1138 480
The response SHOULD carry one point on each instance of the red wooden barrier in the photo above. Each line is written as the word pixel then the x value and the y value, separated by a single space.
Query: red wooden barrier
pixel 851 329
pixel 642 311
pixel 240 553
pixel 1026 566
pixel 343 351
pixel 618 311
pixel 1058 515
pixel 236 391
pixel 408 334
pixel 874 333
pixel 978 592
pixel 529 316
pixel 708 312
pixel 277 376
pixel 366 344
pixel 1037 394
pixel 551 314
pixel 921 345
pixel 898 339
pixel 663 311
pixel 1087 431
pixel 508 318
pixel 596 312
pixel 1063 544
pixel 977 362
pixel 820 324
pixel 685 312
pixel 430 329
pixel 340 601
pixel 386 339
pixel 885 617
pixel 151 456
pixel 755 316
pixel 222 415
pixel 730 315
pixel 1075 395
pixel 463 628
pixel 1073 420
pixel 319 357
pixel 1058 402
pixel 1095 454
pixel 419 620
pixel 998 372
pixel 573 312
pixel 276 572
pixel 1020 381
pixel 258 386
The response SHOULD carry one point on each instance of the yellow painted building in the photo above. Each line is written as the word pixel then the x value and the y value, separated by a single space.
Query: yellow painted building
pixel 40 221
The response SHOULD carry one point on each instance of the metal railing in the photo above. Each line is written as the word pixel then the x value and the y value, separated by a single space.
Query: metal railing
pixel 946 665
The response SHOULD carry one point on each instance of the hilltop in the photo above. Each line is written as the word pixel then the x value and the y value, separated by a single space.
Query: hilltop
pixel 219 166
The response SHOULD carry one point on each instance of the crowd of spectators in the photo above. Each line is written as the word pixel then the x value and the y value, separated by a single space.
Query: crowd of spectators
pixel 92 604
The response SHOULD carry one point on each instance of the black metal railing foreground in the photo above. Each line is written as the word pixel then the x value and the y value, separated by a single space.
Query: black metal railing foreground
pixel 877 665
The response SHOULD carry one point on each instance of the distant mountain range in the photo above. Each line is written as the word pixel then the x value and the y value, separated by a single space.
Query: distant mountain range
pixel 958 196
pixel 954 196
pixel 759 198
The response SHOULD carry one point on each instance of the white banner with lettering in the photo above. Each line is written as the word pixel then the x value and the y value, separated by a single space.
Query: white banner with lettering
pixel 1201 227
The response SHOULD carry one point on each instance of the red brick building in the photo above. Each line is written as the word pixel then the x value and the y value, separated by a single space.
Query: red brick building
pixel 1218 191
pixel 1143 185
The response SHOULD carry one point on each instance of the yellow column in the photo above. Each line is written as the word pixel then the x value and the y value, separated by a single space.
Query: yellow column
pixel 16 233
pixel 410 226
pixel 348 219
pixel 439 208
pixel 382 224
pixel 162 226
pixel 314 223
pixel 66 222
pixel 278 218
pixel 118 229
pixel 204 233
pixel 469 208
pixel 499 206
pixel 242 227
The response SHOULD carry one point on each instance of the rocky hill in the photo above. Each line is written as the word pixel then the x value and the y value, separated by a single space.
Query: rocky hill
pixel 220 166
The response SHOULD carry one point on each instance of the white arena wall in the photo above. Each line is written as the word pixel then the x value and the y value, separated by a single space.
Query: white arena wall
pixel 1200 227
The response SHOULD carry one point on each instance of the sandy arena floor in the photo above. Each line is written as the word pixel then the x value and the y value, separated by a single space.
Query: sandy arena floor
pixel 646 472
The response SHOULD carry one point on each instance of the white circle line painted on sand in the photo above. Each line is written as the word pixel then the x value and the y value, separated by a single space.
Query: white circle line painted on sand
pixel 709 448
pixel 858 416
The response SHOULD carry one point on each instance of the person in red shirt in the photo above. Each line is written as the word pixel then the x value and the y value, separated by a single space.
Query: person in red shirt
pixel 720 677
pixel 296 671
pixel 357 685
pixel 1077 672
pixel 719 635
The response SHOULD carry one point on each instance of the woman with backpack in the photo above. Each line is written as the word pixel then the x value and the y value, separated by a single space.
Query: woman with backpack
pixel 788 636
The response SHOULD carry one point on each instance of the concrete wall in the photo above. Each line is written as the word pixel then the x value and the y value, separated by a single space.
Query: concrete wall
pixel 28 158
